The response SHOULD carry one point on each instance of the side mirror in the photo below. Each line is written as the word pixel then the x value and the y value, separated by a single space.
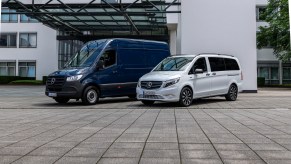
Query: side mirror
pixel 198 71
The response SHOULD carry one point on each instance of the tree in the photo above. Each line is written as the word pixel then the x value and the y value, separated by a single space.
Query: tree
pixel 276 34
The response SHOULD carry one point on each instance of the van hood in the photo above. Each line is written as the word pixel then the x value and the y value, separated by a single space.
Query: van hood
pixel 69 72
pixel 161 76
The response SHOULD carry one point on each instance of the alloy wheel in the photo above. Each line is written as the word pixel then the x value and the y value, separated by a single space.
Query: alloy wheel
pixel 233 92
pixel 186 97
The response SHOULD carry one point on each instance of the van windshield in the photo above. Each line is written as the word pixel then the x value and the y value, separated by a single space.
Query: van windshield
pixel 87 55
pixel 174 64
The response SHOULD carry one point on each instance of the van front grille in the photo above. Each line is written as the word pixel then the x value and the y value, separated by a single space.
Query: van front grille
pixel 151 84
pixel 152 97
pixel 55 83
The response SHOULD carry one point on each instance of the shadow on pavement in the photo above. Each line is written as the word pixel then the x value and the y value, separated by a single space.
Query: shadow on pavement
pixel 73 102
pixel 127 103
pixel 195 102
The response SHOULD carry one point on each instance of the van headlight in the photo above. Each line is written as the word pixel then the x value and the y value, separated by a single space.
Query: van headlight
pixel 74 78
pixel 171 82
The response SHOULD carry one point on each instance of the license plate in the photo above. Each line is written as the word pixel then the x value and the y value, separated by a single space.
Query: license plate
pixel 147 93
pixel 52 94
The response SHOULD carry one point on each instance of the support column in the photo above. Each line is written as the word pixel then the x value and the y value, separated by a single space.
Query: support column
pixel 172 29
pixel 173 42
pixel 16 67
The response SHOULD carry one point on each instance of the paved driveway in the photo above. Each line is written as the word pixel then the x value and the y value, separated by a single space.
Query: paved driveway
pixel 254 129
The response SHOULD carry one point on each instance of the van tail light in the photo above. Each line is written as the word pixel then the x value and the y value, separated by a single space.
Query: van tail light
pixel 241 76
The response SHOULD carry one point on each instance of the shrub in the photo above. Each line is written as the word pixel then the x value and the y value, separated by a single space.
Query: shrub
pixel 8 79
pixel 261 81
pixel 279 85
pixel 27 82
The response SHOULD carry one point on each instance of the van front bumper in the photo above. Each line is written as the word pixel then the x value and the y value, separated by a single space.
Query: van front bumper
pixel 170 94
pixel 72 90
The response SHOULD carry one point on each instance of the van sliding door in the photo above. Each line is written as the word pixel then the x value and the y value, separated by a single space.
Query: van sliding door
pixel 218 74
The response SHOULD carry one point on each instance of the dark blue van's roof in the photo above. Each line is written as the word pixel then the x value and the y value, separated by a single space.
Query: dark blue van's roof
pixel 147 44
pixel 131 43
pixel 138 40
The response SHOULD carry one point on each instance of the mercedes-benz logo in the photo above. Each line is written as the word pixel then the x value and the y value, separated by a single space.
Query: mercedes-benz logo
pixel 149 84
pixel 53 81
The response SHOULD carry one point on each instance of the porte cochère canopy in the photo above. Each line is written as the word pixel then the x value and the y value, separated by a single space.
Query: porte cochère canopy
pixel 96 19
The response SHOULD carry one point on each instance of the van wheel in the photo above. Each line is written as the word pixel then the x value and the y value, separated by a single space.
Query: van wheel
pixel 90 96
pixel 186 97
pixel 61 100
pixel 232 93
pixel 148 102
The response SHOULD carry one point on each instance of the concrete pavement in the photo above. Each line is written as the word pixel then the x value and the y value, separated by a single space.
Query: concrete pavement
pixel 254 129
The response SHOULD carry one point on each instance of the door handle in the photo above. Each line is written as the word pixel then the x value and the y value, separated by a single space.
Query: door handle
pixel 213 74
pixel 208 74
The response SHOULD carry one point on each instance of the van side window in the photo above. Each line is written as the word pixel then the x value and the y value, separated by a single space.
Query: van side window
pixel 199 64
pixel 108 58
pixel 231 64
pixel 216 64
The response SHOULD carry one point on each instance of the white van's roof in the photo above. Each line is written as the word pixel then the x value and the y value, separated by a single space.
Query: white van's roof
pixel 204 54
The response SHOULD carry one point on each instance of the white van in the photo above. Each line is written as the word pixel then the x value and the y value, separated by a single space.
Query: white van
pixel 184 78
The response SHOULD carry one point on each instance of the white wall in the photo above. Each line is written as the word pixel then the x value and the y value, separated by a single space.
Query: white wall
pixel 222 26
pixel 45 54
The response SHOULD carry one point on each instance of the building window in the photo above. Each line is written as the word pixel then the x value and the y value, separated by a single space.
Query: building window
pixel 264 72
pixel 8 40
pixel 26 69
pixel 7 68
pixel 271 74
pixel 26 19
pixel 286 75
pixel 9 18
pixel 260 13
pixel 28 40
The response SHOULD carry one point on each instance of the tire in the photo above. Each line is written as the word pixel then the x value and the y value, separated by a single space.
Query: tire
pixel 186 97
pixel 148 102
pixel 90 95
pixel 232 93
pixel 61 100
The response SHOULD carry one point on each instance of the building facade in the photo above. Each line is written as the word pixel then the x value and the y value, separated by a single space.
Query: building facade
pixel 269 67
pixel 203 26
pixel 27 47
pixel 221 26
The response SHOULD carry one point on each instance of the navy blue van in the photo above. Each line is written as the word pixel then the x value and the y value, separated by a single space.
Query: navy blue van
pixel 105 68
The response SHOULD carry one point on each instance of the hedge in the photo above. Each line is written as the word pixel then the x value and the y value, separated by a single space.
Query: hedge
pixel 8 79
pixel 261 81
pixel 27 82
